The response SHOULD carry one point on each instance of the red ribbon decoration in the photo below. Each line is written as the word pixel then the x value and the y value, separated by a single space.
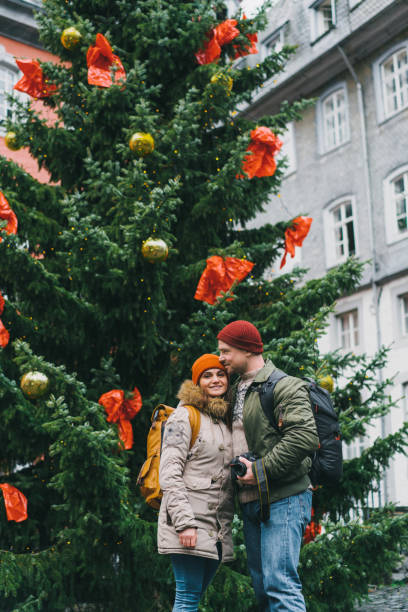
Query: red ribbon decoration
pixel 15 502
pixel 219 275
pixel 33 82
pixel 8 215
pixel 295 235
pixel 312 530
pixel 222 34
pixel 11 228
pixel 250 47
pixel 263 146
pixel 120 411
pixel 100 60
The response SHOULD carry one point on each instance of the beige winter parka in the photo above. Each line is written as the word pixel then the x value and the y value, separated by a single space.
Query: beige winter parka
pixel 196 482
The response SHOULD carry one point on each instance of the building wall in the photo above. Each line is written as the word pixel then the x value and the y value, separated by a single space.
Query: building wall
pixel 366 33
pixel 9 50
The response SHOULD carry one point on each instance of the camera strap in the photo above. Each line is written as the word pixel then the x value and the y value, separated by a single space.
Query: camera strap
pixel 263 489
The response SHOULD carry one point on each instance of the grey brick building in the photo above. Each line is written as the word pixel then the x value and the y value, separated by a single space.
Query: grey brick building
pixel 348 169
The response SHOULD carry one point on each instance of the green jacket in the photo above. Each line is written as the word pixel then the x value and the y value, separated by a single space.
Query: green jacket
pixel 285 455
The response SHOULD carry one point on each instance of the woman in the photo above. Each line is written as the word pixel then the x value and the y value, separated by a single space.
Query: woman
pixel 197 506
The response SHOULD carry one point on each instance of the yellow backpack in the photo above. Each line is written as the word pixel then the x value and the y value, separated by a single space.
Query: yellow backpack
pixel 148 478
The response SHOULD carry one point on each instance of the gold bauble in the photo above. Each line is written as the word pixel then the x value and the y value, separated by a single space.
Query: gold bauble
pixel 34 384
pixel 141 143
pixel 70 38
pixel 11 141
pixel 223 79
pixel 327 382
pixel 155 250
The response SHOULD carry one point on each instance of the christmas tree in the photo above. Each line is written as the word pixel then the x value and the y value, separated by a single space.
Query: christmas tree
pixel 155 176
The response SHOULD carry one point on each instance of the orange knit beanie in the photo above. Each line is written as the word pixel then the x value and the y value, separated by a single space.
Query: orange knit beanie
pixel 205 362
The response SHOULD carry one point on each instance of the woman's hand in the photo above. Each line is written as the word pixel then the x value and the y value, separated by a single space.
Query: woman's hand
pixel 188 537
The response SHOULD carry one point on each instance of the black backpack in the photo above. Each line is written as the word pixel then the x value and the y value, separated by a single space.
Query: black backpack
pixel 327 461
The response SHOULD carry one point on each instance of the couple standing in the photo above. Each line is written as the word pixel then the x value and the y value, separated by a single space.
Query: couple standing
pixel 197 507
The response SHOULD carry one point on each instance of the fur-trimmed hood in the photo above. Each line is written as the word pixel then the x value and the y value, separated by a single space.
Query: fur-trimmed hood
pixel 191 394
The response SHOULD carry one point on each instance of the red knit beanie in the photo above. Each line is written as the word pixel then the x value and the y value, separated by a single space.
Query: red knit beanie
pixel 205 362
pixel 242 335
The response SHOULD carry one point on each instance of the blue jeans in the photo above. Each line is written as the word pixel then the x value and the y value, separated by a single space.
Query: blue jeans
pixel 273 549
pixel 193 575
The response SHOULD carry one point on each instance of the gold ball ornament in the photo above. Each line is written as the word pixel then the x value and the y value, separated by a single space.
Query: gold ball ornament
pixel 141 143
pixel 34 384
pixel 222 79
pixel 70 38
pixel 11 141
pixel 327 382
pixel 155 250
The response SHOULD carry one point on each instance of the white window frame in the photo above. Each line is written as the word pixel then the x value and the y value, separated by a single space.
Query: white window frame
pixel 277 37
pixel 392 233
pixel 353 329
pixel 403 309
pixel 332 258
pixel 383 113
pixel 323 143
pixel 7 63
pixel 318 28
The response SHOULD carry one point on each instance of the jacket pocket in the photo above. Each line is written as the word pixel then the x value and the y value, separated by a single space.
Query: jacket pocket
pixel 194 482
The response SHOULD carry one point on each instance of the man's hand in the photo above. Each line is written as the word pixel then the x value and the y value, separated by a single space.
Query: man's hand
pixel 249 478
pixel 188 537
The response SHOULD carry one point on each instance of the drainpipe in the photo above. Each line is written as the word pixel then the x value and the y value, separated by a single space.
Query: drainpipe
pixel 375 289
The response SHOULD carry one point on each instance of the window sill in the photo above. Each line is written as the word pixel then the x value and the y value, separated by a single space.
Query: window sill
pixel 334 149
pixel 351 8
pixel 316 40
pixel 384 119
pixel 396 239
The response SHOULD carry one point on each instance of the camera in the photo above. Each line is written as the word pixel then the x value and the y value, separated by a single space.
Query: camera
pixel 238 468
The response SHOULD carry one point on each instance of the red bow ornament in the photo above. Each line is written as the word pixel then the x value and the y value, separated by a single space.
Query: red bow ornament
pixel 295 235
pixel 120 411
pixel 100 59
pixel 222 34
pixel 7 215
pixel 262 148
pixel 15 502
pixel 219 275
pixel 4 334
pixel 33 82
pixel 250 47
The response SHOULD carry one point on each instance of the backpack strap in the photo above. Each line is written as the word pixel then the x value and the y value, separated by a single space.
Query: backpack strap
pixel 194 416
pixel 266 395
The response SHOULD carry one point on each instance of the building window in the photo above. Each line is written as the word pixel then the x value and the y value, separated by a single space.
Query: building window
pixel 334 119
pixel 396 205
pixel 394 77
pixel 348 329
pixel 7 79
pixel 340 231
pixel 404 313
pixel 323 17
pixel 274 42
pixel 344 236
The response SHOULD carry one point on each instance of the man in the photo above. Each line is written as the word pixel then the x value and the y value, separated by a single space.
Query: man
pixel 275 493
